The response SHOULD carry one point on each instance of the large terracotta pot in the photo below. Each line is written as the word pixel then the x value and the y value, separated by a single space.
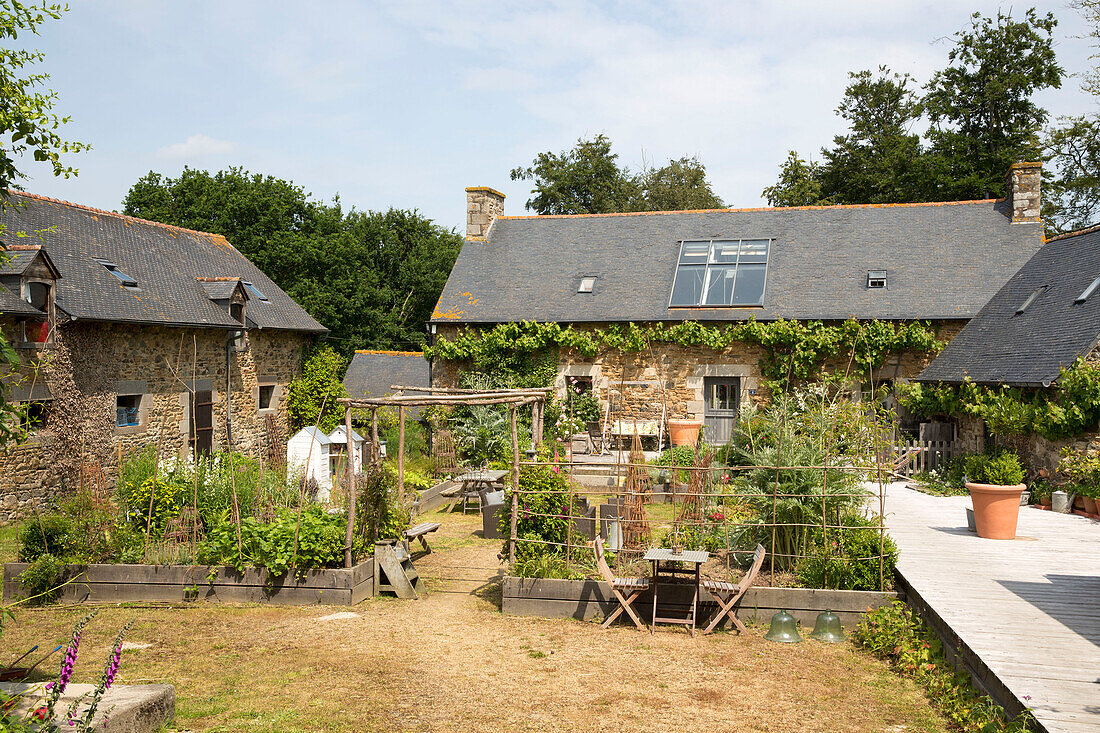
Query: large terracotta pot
pixel 684 432
pixel 1090 504
pixel 996 509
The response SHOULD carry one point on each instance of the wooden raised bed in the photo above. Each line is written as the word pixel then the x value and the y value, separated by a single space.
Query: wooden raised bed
pixel 117 583
pixel 587 599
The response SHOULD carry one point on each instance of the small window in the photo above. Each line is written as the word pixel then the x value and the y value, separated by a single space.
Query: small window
pixel 34 415
pixel 236 312
pixel 112 268
pixel 1088 291
pixel 587 283
pixel 38 295
pixel 876 279
pixel 128 410
pixel 254 290
pixel 267 396
pixel 1030 299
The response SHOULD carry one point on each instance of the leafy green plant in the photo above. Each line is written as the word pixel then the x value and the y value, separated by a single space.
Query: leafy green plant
pixel 484 434
pixel 848 558
pixel 543 513
pixel 1082 468
pixel 896 633
pixel 44 535
pixel 41 578
pixel 311 397
pixel 532 563
pixel 152 503
pixel 377 508
pixel 1002 468
pixel 680 455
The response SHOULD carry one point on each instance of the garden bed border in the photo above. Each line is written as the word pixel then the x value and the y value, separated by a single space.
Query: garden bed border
pixel 121 583
pixel 588 599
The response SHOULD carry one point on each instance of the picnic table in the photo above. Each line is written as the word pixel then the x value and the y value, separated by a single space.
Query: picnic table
pixel 658 555
pixel 471 483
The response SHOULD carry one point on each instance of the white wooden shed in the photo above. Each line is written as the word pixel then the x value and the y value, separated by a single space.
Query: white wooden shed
pixel 339 448
pixel 311 446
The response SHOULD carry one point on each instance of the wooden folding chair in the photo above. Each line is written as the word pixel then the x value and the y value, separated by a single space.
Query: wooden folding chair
pixel 727 594
pixel 618 585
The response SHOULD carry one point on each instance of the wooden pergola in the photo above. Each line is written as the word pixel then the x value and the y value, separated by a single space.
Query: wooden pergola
pixel 428 396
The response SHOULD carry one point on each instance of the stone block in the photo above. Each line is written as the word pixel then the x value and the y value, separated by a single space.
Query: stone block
pixel 124 708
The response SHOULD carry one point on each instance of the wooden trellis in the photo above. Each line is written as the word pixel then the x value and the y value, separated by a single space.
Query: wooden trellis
pixel 512 398
pixel 636 533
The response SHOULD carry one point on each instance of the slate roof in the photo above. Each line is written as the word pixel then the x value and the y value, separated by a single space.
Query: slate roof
pixel 943 261
pixel 371 373
pixel 12 304
pixel 1000 346
pixel 165 261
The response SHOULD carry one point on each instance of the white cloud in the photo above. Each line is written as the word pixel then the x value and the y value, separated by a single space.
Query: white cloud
pixel 195 146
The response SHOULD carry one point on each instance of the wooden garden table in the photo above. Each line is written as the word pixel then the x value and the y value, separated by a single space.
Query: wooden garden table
pixel 474 481
pixel 658 555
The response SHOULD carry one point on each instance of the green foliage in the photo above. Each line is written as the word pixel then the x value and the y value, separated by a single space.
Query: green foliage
pixel 151 504
pixel 416 436
pixel 978 111
pixel 1002 468
pixel 588 180
pixel 44 535
pixel 378 513
pixel 947 481
pixel 1071 201
pixel 41 579
pixel 311 397
pixel 680 455
pixel 1082 468
pixel 270 545
pixel 848 558
pixel 1068 408
pixel 483 433
pixel 543 512
pixel 797 348
pixel 531 563
pixel 896 633
pixel 373 278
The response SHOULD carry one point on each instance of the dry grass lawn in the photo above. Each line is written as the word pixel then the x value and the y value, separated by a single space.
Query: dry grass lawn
pixel 451 661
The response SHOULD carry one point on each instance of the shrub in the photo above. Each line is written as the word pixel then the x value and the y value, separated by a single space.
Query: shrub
pixel 41 579
pixel 531 563
pixel 318 386
pixel 896 633
pixel 152 503
pixel 849 559
pixel 543 513
pixel 680 455
pixel 377 504
pixel 46 535
pixel 1002 468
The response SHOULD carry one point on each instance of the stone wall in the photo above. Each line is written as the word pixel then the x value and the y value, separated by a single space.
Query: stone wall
pixel 89 364
pixel 669 378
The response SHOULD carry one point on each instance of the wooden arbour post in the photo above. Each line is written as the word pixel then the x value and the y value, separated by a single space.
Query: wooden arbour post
pixel 515 486
pixel 348 555
pixel 401 456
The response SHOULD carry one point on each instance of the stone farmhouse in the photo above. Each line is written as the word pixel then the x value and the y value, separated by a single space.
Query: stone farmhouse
pixel 935 262
pixel 1044 318
pixel 135 333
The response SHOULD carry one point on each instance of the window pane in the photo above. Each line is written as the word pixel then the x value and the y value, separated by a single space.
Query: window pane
pixel 720 281
pixel 754 250
pixel 750 285
pixel 694 253
pixel 687 289
pixel 724 252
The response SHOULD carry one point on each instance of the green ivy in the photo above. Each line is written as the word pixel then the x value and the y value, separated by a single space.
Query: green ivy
pixel 1067 409
pixel 797 348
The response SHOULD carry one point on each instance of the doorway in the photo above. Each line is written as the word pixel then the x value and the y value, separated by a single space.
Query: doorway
pixel 201 425
pixel 722 398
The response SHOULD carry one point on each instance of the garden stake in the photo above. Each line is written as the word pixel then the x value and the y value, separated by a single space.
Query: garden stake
pixel 515 484
pixel 401 456
pixel 348 555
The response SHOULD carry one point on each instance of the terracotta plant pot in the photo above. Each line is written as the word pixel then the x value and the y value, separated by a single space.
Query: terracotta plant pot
pixel 1090 504
pixel 1079 502
pixel 996 509
pixel 684 432
pixel 1045 500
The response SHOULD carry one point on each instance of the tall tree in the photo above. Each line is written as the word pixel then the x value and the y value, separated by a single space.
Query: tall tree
pixel 1073 146
pixel 799 184
pixel 880 160
pixel 587 179
pixel 373 278
pixel 30 129
pixel 980 106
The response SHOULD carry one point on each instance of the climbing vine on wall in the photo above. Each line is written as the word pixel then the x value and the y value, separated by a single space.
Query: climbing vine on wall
pixel 1069 408
pixel 800 348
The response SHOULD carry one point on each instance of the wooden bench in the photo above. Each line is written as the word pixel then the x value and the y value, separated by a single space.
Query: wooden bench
pixel 419 532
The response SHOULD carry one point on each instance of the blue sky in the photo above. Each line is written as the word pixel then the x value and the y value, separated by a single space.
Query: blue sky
pixel 406 103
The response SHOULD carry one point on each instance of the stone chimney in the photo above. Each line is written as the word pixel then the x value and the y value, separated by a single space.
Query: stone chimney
pixel 1022 191
pixel 483 206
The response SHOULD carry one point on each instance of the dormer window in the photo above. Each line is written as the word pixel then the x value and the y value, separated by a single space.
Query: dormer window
pixel 112 268
pixel 876 279
pixel 720 273
pixel 236 312
pixel 587 284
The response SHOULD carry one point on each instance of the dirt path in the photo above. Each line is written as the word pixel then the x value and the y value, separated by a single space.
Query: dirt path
pixel 450 661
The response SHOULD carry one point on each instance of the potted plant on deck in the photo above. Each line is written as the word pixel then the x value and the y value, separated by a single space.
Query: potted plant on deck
pixel 1082 468
pixel 684 432
pixel 995 482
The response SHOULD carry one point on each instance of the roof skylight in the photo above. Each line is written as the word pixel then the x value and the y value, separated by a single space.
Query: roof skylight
pixel 254 290
pixel 587 283
pixel 720 273
pixel 876 279
pixel 1030 299
pixel 113 269
pixel 1088 291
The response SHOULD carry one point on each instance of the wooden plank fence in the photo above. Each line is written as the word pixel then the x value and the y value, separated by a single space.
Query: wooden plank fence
pixel 926 455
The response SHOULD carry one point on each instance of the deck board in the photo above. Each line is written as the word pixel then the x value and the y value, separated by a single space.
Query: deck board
pixel 1029 608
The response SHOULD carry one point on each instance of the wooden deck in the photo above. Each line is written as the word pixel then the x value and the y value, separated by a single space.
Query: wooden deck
pixel 1026 613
